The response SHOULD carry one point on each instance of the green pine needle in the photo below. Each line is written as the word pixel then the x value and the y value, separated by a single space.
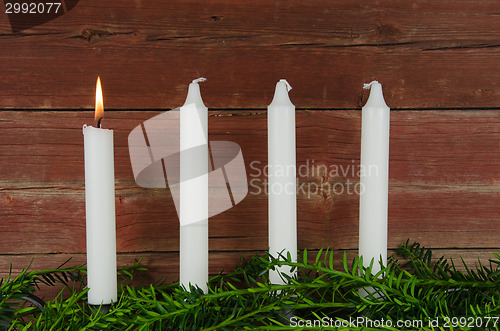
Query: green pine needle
pixel 419 288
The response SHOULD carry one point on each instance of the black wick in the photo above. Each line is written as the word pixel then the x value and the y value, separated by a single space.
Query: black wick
pixel 99 123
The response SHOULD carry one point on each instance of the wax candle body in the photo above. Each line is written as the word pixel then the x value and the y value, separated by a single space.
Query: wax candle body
pixel 194 191
pixel 282 179
pixel 100 215
pixel 374 179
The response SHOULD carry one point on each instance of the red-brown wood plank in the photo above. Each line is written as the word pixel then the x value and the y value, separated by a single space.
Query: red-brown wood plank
pixel 165 265
pixel 427 54
pixel 444 175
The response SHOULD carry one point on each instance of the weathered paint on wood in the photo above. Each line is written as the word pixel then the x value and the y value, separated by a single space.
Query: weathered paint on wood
pixel 165 265
pixel 437 60
pixel 444 178
pixel 428 54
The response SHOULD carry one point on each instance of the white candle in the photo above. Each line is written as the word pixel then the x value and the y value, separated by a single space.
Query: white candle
pixel 100 210
pixel 194 191
pixel 374 179
pixel 282 179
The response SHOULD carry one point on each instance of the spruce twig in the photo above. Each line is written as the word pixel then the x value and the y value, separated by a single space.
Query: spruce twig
pixel 418 288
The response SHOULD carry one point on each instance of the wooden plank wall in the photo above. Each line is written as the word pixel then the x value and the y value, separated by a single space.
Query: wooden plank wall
pixel 438 61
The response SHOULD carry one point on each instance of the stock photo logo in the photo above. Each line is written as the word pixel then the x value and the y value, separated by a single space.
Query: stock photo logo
pixel 313 178
pixel 27 14
pixel 156 156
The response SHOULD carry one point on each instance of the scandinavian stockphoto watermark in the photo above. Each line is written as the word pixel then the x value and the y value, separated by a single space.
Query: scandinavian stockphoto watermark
pixel 335 179
pixel 156 157
pixel 157 153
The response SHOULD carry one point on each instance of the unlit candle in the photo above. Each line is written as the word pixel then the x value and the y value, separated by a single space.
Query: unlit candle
pixel 282 180
pixel 374 179
pixel 193 198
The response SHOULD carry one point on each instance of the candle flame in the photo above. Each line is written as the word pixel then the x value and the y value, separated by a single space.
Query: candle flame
pixel 99 108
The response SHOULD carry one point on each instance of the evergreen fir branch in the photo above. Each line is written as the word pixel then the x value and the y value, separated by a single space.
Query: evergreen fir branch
pixel 419 288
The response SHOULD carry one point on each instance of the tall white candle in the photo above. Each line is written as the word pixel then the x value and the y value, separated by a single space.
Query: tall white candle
pixel 194 191
pixel 282 179
pixel 100 210
pixel 374 179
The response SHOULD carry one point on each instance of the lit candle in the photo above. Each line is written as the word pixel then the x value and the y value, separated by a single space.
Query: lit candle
pixel 194 191
pixel 374 179
pixel 282 180
pixel 100 209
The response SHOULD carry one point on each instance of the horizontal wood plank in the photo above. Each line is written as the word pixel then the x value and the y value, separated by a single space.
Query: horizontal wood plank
pixel 437 61
pixel 164 266
pixel 444 178
pixel 426 54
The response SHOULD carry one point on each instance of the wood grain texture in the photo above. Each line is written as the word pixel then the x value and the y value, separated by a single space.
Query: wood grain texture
pixel 438 62
pixel 427 54
pixel 444 178
pixel 164 266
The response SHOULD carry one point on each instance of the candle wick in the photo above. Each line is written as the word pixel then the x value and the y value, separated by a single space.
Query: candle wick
pixel 199 80
pixel 99 123
pixel 288 86
pixel 369 85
